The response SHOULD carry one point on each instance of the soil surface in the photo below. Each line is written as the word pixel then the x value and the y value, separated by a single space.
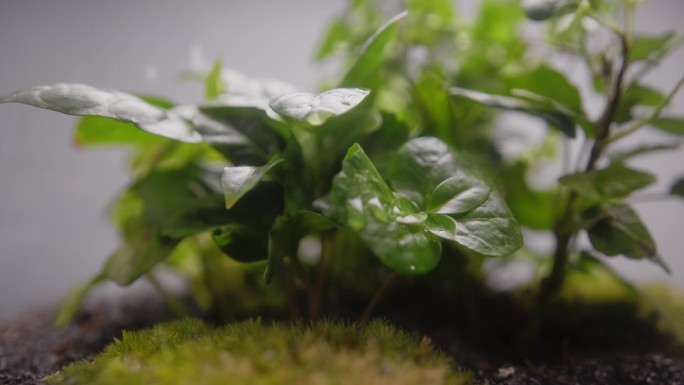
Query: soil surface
pixel 31 349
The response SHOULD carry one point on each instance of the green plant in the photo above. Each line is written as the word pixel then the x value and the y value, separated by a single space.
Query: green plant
pixel 397 159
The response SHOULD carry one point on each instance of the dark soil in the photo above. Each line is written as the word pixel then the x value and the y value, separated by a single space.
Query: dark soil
pixel 30 349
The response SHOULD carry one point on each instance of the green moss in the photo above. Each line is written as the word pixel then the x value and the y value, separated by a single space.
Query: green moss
pixel 191 352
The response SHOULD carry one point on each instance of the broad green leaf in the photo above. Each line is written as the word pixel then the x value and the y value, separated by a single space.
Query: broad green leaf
pixel 181 202
pixel 617 229
pixel 489 229
pixel 97 130
pixel 532 208
pixel 317 109
pixel 618 180
pixel 434 101
pixel 428 173
pixel 614 181
pixel 671 125
pixel 82 100
pixel 558 119
pixel 213 83
pixel 677 188
pixel 236 181
pixel 637 95
pixel 443 226
pixel 336 36
pixel 364 72
pixel 363 202
pixel 651 47
pixel 457 195
pixel 547 82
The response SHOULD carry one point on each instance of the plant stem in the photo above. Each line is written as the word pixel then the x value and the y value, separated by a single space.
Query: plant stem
pixel 290 293
pixel 565 228
pixel 379 295
pixel 316 302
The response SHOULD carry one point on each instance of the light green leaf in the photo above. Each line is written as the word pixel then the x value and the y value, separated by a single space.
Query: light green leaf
pixel 671 125
pixel 317 109
pixel 637 95
pixel 236 181
pixel 646 149
pixel 651 47
pixel 619 230
pixel 532 208
pixel 364 72
pixel 72 303
pixel 549 83
pixel 82 100
pixel 213 83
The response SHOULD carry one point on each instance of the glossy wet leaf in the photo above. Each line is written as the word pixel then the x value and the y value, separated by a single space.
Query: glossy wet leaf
pixel 554 117
pixel 427 172
pixel 317 109
pixel 363 202
pixel 364 72
pixel 442 226
pixel 236 181
pixel 617 229
pixel 83 100
pixel 670 125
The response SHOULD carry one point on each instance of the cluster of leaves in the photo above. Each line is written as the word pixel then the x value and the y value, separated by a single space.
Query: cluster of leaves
pixel 398 153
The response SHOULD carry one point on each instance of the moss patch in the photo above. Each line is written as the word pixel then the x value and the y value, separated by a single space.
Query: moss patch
pixel 191 352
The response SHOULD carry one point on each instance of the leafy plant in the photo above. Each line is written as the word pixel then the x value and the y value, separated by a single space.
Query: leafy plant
pixel 396 159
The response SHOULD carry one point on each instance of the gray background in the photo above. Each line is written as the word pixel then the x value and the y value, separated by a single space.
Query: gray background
pixel 54 230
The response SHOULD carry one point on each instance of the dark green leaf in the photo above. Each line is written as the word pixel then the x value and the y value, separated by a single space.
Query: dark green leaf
pixel 637 95
pixel 443 226
pixel 428 173
pixel 554 117
pixel 614 181
pixel 671 125
pixel 618 180
pixel 651 47
pixel 82 100
pixel 539 10
pixel 317 109
pixel 678 188
pixel 236 181
pixel 213 83
pixel 549 83
pixel 617 229
pixel 144 245
pixel 244 235
pixel 364 72
pixel 181 202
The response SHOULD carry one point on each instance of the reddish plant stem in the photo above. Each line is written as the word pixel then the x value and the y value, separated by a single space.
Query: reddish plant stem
pixel 379 295
pixel 565 229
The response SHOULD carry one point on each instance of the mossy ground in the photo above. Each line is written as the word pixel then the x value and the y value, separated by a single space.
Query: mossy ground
pixel 191 352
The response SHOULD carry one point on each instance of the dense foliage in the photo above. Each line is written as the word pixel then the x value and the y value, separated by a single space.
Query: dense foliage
pixel 401 158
